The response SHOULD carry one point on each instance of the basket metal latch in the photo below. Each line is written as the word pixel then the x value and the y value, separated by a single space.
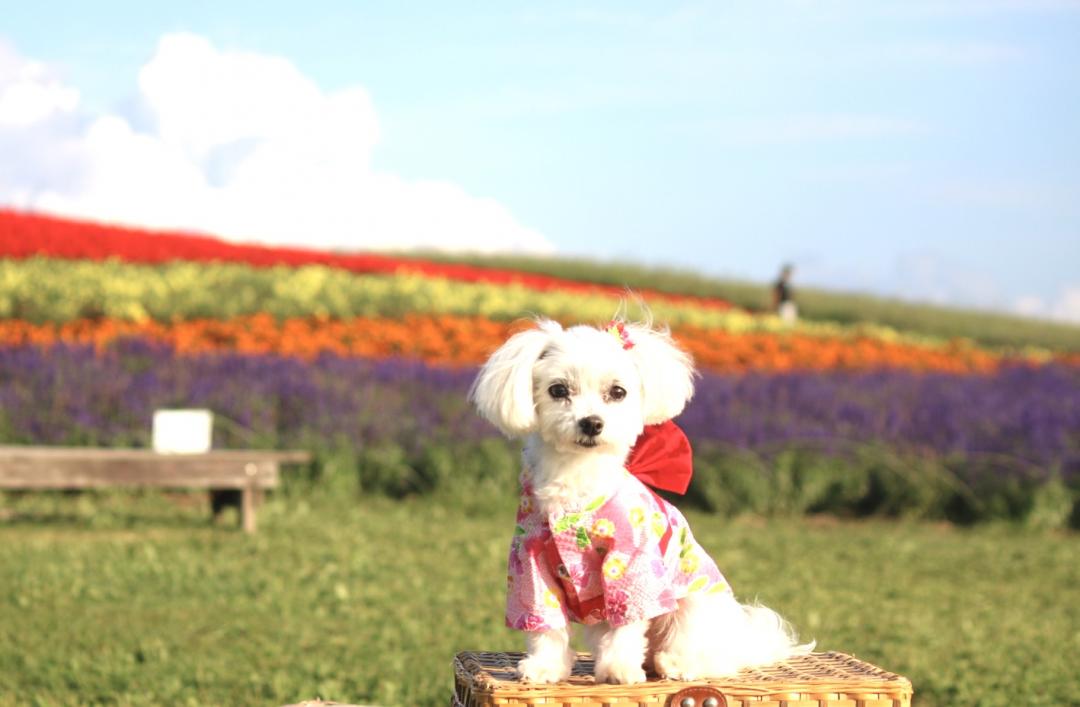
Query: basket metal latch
pixel 698 696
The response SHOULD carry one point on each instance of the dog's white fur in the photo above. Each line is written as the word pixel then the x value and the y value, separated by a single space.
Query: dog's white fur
pixel 707 636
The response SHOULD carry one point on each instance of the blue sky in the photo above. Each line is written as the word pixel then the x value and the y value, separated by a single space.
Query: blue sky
pixel 923 149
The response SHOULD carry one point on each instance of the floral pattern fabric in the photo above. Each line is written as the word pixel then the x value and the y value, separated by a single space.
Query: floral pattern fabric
pixel 621 559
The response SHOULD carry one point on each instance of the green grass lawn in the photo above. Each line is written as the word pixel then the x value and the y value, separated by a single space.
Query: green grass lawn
pixel 132 600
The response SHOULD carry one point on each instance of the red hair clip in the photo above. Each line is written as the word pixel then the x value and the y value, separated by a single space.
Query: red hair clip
pixel 618 330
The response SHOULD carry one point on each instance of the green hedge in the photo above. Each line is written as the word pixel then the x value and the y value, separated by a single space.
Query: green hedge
pixel 862 481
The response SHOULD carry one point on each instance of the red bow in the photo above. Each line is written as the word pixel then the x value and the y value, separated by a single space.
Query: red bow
pixel 662 458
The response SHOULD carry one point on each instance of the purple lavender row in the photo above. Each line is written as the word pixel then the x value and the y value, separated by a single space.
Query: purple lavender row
pixel 70 395
pixel 1027 416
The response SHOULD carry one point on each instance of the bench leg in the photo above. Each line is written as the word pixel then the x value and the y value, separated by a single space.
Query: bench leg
pixel 220 499
pixel 247 509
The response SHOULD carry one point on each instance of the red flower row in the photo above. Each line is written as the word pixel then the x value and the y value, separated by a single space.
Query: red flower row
pixel 24 235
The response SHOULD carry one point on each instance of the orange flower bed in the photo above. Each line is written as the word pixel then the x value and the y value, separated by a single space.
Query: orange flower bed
pixel 442 339
pixel 718 350
pixel 451 340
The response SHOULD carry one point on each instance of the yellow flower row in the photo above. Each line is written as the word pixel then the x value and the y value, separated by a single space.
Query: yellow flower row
pixel 43 289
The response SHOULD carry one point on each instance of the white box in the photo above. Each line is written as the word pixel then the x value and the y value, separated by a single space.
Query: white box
pixel 183 431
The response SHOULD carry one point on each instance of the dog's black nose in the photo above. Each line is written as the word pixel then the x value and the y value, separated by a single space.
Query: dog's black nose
pixel 591 425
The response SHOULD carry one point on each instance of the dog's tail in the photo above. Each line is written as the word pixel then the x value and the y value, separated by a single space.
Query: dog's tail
pixel 716 636
pixel 769 637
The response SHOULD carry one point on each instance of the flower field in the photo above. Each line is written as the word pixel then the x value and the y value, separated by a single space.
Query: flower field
pixel 365 359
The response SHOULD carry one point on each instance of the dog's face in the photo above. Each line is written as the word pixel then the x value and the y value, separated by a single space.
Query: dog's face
pixel 587 393
pixel 584 389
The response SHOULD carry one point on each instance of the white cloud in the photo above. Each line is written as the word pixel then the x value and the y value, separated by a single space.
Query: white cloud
pixel 242 145
pixel 1065 308
pixel 1029 306
pixel 930 276
pixel 29 93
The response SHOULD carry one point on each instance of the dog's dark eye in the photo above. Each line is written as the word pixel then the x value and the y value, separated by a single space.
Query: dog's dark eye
pixel 559 391
pixel 617 393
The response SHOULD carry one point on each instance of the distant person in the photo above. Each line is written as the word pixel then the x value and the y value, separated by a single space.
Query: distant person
pixel 783 297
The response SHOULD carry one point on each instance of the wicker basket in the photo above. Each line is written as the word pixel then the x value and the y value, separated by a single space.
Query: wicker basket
pixel 815 680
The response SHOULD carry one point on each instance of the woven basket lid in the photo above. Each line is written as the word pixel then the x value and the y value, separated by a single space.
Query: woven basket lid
pixel 812 674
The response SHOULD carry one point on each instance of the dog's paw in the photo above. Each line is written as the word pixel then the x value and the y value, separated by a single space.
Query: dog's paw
pixel 620 673
pixel 542 669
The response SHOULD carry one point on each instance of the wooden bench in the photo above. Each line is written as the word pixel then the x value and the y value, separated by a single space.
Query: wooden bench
pixel 247 472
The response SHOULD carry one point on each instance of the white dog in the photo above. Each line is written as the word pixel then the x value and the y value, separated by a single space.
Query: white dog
pixel 592 544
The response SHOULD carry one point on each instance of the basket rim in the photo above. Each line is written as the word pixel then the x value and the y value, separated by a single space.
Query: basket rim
pixel 871 681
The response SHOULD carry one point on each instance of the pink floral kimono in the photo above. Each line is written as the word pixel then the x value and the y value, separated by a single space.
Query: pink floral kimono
pixel 621 559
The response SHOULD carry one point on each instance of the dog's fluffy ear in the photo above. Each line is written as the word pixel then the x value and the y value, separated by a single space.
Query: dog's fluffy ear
pixel 503 392
pixel 667 373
